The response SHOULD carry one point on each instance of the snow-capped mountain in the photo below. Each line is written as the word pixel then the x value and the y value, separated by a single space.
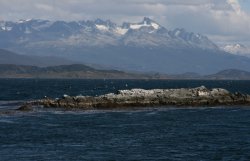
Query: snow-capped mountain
pixel 143 46
pixel 100 32
pixel 237 49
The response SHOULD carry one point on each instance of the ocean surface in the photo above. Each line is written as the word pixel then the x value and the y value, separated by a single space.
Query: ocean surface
pixel 165 133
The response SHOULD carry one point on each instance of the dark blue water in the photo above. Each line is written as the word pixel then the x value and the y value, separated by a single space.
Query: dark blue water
pixel 221 133
pixel 23 89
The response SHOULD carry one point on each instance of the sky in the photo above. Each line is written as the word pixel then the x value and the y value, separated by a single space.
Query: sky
pixel 223 21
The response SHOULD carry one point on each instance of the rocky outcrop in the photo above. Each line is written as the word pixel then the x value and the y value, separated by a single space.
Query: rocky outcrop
pixel 200 96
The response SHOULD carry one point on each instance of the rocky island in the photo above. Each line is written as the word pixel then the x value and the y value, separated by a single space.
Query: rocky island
pixel 200 96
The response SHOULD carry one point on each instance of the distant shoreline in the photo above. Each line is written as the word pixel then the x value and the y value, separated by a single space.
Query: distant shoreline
pixel 79 71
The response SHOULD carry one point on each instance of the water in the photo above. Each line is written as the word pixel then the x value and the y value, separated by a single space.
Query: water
pixel 220 133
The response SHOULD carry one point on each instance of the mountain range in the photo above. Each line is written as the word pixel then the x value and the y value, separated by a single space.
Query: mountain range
pixel 145 46
pixel 64 71
pixel 79 71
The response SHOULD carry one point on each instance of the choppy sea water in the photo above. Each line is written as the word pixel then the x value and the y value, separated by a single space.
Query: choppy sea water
pixel 217 133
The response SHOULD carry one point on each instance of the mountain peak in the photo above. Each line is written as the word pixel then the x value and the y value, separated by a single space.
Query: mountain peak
pixel 104 25
pixel 147 20
pixel 152 23
pixel 103 22
pixel 146 23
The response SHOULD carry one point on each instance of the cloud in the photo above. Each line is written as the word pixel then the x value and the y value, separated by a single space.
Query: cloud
pixel 235 5
pixel 216 18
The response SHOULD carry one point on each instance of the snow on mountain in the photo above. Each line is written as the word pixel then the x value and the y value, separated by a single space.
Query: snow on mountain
pixel 23 21
pixel 192 39
pixel 237 49
pixel 234 48
pixel 107 26
pixel 121 31
pixel 5 26
pixel 100 32
pixel 102 27
pixel 145 23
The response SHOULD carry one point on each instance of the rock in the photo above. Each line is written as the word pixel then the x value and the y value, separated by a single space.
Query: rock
pixel 65 96
pixel 200 96
pixel 25 107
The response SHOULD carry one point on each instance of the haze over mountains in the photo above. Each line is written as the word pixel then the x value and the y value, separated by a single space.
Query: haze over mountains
pixel 145 46
pixel 7 57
